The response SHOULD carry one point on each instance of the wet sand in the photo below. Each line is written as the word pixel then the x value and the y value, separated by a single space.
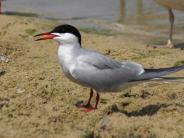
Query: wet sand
pixel 37 100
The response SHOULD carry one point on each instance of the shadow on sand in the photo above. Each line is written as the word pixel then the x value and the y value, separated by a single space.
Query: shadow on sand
pixel 147 110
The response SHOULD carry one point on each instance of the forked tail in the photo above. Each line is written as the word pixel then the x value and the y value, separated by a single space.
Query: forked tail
pixel 159 73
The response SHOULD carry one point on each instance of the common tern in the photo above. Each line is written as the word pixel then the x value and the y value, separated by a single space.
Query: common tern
pixel 97 71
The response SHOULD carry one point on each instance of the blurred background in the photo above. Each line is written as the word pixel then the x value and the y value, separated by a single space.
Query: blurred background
pixel 122 11
pixel 102 16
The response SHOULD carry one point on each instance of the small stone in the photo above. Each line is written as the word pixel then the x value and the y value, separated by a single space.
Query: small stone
pixel 4 59
pixel 19 91
pixel 104 122
pixel 145 94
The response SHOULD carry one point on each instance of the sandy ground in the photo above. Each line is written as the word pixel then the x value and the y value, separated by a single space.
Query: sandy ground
pixel 37 100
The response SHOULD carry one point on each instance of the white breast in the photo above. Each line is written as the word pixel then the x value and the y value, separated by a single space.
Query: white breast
pixel 67 58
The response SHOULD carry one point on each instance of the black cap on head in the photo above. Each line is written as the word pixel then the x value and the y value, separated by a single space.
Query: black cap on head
pixel 67 29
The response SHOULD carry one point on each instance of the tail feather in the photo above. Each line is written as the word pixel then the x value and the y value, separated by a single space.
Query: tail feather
pixel 158 73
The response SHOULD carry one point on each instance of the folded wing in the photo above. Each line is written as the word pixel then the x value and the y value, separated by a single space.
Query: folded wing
pixel 102 73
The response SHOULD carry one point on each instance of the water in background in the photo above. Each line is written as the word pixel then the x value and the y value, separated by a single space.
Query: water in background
pixel 87 12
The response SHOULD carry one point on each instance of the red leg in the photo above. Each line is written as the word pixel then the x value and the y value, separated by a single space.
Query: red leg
pixel 91 95
pixel 97 100
pixel 96 104
pixel 88 105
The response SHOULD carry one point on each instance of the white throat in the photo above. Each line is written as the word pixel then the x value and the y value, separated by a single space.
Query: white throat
pixel 67 54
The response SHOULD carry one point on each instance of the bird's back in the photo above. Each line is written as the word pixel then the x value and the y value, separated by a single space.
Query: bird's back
pixel 103 73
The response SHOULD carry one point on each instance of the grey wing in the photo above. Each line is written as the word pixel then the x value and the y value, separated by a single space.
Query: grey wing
pixel 102 73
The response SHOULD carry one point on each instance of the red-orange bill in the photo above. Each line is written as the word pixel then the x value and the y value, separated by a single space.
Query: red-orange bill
pixel 45 36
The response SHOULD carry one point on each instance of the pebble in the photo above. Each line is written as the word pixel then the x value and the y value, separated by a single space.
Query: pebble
pixel 4 59
pixel 19 91
pixel 104 122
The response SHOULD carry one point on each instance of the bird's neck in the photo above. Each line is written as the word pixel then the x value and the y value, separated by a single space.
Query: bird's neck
pixel 69 47
pixel 68 52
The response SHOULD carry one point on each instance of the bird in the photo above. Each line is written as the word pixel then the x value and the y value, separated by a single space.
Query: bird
pixel 171 4
pixel 94 70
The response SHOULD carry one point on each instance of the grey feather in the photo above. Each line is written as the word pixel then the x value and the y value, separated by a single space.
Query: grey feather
pixel 102 73
pixel 157 73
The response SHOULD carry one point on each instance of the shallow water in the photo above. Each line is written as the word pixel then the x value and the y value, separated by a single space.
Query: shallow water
pixel 124 11
pixel 95 14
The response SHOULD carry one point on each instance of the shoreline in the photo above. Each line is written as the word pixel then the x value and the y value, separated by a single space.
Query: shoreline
pixel 107 27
